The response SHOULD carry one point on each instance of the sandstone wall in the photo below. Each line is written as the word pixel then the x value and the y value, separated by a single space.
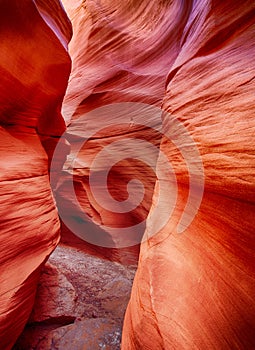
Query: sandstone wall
pixel 34 69
pixel 121 52
pixel 195 59
pixel 195 290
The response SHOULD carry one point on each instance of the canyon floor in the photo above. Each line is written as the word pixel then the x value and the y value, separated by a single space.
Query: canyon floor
pixel 80 303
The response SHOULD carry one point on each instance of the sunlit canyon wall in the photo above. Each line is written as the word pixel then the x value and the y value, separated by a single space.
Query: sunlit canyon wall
pixel 34 66
pixel 195 59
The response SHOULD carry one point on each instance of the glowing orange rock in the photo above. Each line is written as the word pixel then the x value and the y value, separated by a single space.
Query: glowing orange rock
pixel 195 290
pixel 34 68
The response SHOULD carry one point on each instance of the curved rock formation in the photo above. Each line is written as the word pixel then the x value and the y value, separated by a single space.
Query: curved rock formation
pixel 34 68
pixel 195 290
pixel 120 53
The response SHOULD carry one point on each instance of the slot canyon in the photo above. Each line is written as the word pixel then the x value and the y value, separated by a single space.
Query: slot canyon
pixel 127 175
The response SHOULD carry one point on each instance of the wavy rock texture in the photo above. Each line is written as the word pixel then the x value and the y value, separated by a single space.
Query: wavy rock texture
pixel 192 290
pixel 195 58
pixel 195 290
pixel 34 68
pixel 120 53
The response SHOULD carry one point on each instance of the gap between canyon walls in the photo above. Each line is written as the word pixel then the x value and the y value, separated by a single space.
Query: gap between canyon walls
pixel 95 302
pixel 96 297
pixel 119 56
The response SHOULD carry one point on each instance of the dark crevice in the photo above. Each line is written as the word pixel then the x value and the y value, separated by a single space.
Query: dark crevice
pixel 55 321
pixel 226 34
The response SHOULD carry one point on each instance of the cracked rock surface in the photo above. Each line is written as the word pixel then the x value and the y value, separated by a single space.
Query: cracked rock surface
pixel 80 303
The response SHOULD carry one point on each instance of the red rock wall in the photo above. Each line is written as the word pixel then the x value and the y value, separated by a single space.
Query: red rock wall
pixel 192 290
pixel 34 68
pixel 121 52
pixel 195 290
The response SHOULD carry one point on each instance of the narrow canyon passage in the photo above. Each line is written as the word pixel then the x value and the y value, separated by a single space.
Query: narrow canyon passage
pixel 127 174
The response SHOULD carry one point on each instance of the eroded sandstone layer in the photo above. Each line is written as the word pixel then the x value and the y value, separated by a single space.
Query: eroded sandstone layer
pixel 195 59
pixel 34 69
pixel 195 290
pixel 120 53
